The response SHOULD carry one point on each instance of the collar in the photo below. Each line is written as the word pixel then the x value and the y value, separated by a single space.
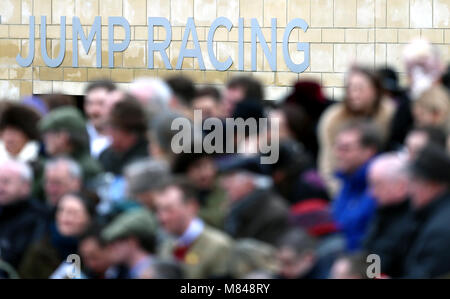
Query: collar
pixel 136 270
pixel 194 230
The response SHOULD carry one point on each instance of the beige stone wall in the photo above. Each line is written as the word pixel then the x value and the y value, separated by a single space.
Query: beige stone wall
pixel 341 32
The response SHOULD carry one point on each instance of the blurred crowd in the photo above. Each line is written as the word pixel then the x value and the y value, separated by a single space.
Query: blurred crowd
pixel 365 174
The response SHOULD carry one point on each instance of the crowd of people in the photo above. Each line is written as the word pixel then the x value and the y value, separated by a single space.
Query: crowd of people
pixel 366 174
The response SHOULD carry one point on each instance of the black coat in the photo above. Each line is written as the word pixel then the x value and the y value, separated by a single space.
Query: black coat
pixel 429 252
pixel 114 162
pixel 387 235
pixel 21 223
pixel 262 215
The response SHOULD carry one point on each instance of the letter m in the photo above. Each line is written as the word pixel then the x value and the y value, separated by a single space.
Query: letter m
pixel 77 30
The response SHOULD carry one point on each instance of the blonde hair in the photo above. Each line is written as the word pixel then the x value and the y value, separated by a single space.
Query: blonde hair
pixel 436 100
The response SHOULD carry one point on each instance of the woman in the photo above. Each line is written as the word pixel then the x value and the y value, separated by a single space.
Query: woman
pixel 19 133
pixel 75 212
pixel 363 99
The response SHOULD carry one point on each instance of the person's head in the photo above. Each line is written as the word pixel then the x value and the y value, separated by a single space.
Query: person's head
pixel 131 232
pixel 93 251
pixel 363 92
pixel 64 131
pixel 240 88
pixel 127 123
pixel 143 177
pixel 293 121
pixel 15 181
pixel 97 95
pixel 163 270
pixel 419 137
pixel 296 254
pixel 352 266
pixel 238 184
pixel 432 108
pixel 18 126
pixel 207 100
pixel 199 168
pixel 183 89
pixel 154 94
pixel 429 175
pixel 160 135
pixel 74 214
pixel 176 205
pixel 389 179
pixel 355 144
pixel 61 176
pixel 389 81
pixel 423 65
pixel 57 100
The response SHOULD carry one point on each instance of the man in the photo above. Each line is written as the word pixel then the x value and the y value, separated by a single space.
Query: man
pixel 131 242
pixel 202 172
pixel 355 146
pixel 255 211
pixel 202 250
pixel 22 220
pixel 94 253
pixel 154 94
pixel 143 177
pixel 207 100
pixel 428 255
pixel 64 132
pixel 240 88
pixel 95 105
pixel 128 125
pixel 298 258
pixel 389 186
pixel 61 176
pixel 418 138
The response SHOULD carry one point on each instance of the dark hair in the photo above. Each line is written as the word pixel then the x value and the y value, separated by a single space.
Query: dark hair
pixel 57 100
pixel 208 91
pixel 182 87
pixel 129 115
pixel 369 133
pixel 297 120
pixel 376 84
pixel 104 84
pixel 252 87
pixel 435 135
pixel 93 232
pixel 297 240
pixel 21 117
pixel 186 187
pixel 88 199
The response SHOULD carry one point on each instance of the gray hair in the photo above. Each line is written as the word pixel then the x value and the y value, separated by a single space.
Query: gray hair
pixel 74 168
pixel 394 165
pixel 22 168
pixel 159 93
pixel 145 175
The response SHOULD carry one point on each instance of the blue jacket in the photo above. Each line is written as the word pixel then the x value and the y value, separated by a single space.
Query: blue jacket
pixel 354 206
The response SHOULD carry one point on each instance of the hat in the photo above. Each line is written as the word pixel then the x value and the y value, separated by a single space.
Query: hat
pixel 137 222
pixel 21 117
pixel 63 118
pixel 432 164
pixel 145 175
pixel 308 95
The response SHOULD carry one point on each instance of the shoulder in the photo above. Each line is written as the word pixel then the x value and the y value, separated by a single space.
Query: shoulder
pixel 331 115
pixel 215 237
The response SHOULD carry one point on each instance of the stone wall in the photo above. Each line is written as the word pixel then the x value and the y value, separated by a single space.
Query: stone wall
pixel 340 32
